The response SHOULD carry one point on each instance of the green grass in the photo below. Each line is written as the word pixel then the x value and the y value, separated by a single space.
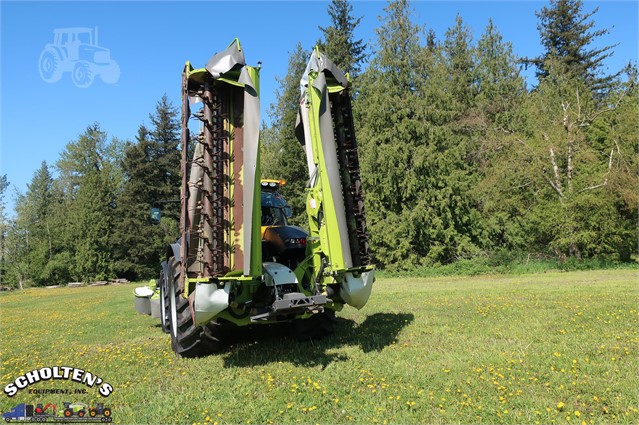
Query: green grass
pixel 544 348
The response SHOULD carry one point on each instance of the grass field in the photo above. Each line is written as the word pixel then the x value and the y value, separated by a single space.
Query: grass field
pixel 544 348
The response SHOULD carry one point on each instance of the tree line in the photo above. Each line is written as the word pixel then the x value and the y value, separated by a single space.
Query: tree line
pixel 460 158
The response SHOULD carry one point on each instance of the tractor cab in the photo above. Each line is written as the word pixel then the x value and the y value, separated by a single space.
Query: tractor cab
pixel 275 210
pixel 281 242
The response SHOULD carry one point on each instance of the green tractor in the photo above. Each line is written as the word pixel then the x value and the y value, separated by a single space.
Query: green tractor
pixel 74 409
pixel 237 261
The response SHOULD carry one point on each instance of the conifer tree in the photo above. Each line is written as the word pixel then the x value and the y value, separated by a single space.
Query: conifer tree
pixel 288 158
pixel 34 210
pixel 4 183
pixel 415 153
pixel 151 168
pixel 567 33
pixel 338 42
pixel 390 137
pixel 89 178
pixel 501 88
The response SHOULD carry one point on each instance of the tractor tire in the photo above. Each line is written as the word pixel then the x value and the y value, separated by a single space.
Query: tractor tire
pixel 106 412
pixel 82 74
pixel 165 313
pixel 187 339
pixel 68 413
pixel 81 413
pixel 50 65
pixel 316 327
pixel 110 74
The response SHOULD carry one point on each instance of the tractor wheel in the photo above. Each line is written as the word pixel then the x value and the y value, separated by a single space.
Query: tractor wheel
pixel 110 74
pixel 106 412
pixel 82 74
pixel 92 413
pixel 50 66
pixel 315 327
pixel 81 413
pixel 187 339
pixel 68 413
pixel 164 302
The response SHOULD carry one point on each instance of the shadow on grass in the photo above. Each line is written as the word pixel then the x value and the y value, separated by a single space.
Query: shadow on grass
pixel 261 345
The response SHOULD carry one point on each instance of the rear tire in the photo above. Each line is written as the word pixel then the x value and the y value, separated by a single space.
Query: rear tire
pixel 188 340
pixel 316 327
pixel 50 65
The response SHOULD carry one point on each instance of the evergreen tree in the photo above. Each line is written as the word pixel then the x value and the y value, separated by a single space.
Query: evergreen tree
pixel 288 157
pixel 389 135
pixel 268 153
pixel 567 34
pixel 459 59
pixel 398 47
pixel 413 145
pixel 151 168
pixel 339 42
pixel 89 179
pixel 4 183
pixel 16 255
pixel 501 87
pixel 386 132
pixel 34 210
pixel 615 137
pixel 499 105
pixel 456 129
pixel 165 135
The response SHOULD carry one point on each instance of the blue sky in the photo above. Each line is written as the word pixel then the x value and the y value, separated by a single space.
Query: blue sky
pixel 151 40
